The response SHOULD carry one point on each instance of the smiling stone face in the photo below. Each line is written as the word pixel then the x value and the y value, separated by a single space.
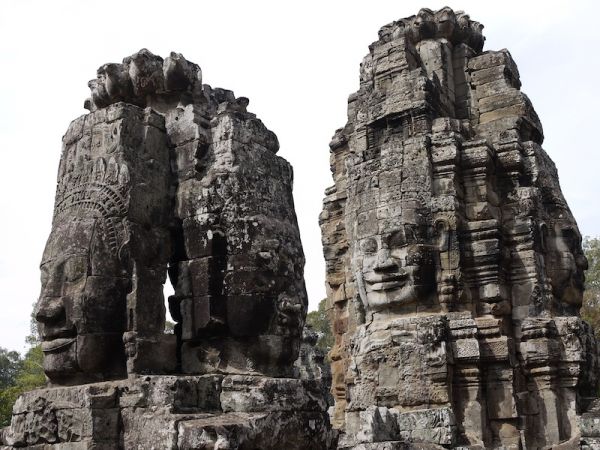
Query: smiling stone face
pixel 396 268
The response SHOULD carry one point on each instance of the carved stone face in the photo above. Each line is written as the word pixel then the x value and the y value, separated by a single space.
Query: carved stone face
pixel 395 269
pixel 263 281
pixel 81 309
pixel 566 262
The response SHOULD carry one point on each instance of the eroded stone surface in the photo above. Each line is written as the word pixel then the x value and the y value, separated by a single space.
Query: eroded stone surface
pixel 312 362
pixel 178 412
pixel 454 265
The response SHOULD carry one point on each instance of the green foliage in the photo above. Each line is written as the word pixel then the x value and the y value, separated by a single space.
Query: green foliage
pixel 169 327
pixel 590 310
pixel 10 364
pixel 29 375
pixel 34 337
pixel 32 374
pixel 319 321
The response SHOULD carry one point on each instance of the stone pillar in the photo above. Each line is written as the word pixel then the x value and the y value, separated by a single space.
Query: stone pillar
pixel 447 198
pixel 539 351
pixel 468 394
pixel 443 148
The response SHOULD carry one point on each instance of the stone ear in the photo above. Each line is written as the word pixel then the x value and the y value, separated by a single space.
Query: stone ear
pixel 441 235
pixel 93 243
pixel 123 251
pixel 543 236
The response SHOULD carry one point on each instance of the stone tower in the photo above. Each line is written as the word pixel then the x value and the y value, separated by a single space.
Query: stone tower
pixel 454 265
pixel 168 175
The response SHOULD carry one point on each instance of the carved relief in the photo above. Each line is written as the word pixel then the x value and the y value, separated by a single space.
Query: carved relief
pixel 95 242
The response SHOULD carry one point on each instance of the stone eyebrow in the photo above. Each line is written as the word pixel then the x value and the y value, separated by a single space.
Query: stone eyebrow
pixel 84 252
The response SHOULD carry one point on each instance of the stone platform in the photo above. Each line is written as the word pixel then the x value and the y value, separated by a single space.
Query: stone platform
pixel 173 412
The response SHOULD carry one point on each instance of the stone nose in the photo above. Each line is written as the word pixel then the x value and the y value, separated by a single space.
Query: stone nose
pixel 582 262
pixel 384 261
pixel 49 309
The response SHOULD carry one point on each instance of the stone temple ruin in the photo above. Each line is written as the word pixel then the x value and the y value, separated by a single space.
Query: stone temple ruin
pixel 454 267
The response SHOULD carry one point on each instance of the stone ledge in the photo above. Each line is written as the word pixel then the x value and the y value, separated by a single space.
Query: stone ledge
pixel 162 411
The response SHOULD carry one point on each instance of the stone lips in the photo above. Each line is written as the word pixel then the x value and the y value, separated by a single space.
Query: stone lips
pixel 453 263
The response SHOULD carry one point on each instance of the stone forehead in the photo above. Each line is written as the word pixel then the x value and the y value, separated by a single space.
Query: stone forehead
pixel 73 237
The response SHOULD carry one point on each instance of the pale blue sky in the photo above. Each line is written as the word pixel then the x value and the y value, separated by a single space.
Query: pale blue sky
pixel 296 61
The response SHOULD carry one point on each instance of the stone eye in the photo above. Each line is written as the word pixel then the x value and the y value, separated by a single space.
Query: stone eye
pixel 397 239
pixel 44 276
pixel 417 256
pixel 368 245
pixel 75 268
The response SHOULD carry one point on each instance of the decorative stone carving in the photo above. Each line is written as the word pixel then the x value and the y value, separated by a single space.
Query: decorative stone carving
pixel 167 175
pixel 454 266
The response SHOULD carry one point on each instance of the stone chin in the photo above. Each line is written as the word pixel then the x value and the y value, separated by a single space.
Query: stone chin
pixel 572 293
pixel 83 357
pixel 567 280
pixel 60 357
